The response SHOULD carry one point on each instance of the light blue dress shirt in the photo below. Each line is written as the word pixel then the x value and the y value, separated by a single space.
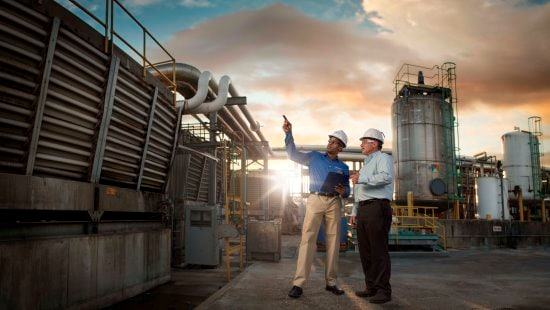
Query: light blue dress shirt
pixel 375 179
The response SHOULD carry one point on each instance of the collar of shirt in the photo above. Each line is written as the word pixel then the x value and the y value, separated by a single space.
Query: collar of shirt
pixel 335 159
pixel 371 156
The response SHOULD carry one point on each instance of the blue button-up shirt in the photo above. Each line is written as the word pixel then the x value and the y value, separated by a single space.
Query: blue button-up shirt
pixel 319 165
pixel 375 179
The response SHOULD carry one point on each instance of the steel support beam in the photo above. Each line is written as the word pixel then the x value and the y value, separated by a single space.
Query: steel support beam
pixel 105 120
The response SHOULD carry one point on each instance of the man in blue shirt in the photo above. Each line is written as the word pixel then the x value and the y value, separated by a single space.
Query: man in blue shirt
pixel 321 205
pixel 372 214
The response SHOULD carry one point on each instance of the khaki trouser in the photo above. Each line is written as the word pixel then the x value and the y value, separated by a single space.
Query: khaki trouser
pixel 317 208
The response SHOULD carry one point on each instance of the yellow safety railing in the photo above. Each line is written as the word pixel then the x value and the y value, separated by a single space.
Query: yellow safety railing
pixel 110 34
pixel 418 219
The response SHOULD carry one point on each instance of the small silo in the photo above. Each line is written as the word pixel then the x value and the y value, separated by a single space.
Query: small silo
pixel 520 161
pixel 423 144
pixel 492 198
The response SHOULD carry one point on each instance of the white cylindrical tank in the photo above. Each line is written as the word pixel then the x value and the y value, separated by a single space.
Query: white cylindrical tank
pixel 516 162
pixel 492 198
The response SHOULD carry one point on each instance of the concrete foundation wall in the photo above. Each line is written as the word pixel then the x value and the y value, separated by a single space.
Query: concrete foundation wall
pixel 19 192
pixel 462 234
pixel 40 193
pixel 82 272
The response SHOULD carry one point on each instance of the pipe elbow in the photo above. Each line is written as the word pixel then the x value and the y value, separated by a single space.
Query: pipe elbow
pixel 255 126
pixel 219 102
pixel 202 90
pixel 200 95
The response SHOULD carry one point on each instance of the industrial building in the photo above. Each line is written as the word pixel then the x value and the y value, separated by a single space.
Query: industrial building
pixel 108 178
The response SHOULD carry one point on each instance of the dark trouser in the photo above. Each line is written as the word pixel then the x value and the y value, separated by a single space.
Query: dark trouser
pixel 373 226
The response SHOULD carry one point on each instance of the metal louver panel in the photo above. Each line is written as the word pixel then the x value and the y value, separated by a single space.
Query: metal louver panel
pixel 74 96
pixel 197 181
pixel 22 48
pixel 126 132
pixel 70 110
pixel 161 144
pixel 132 133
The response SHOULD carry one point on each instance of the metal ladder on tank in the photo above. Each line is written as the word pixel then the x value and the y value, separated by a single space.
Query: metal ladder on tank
pixel 452 151
pixel 535 136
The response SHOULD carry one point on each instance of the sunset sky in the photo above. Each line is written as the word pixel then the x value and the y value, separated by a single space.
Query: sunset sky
pixel 331 65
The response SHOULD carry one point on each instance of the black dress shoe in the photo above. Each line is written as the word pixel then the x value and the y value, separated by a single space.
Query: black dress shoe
pixel 334 289
pixel 295 292
pixel 365 293
pixel 380 298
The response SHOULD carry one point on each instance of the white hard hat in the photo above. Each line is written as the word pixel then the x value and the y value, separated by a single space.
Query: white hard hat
pixel 340 135
pixel 373 134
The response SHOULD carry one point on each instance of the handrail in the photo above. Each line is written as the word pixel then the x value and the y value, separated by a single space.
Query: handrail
pixel 417 217
pixel 99 21
pixel 110 34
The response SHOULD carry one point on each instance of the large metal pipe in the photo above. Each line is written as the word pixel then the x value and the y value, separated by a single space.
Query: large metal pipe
pixel 253 125
pixel 233 124
pixel 216 104
pixel 190 75
pixel 200 95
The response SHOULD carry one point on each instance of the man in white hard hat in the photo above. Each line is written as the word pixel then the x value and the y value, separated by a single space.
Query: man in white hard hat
pixel 322 205
pixel 372 215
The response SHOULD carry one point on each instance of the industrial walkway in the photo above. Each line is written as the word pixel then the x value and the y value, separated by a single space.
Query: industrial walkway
pixel 468 279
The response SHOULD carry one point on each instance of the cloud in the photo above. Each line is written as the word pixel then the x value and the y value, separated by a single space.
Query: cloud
pixel 196 3
pixel 139 3
pixel 169 3
pixel 327 75
pixel 500 48
pixel 326 68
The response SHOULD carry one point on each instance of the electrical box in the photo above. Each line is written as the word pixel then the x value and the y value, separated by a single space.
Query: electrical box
pixel 201 241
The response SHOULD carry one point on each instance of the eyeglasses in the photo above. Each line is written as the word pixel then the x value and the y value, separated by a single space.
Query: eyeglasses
pixel 365 141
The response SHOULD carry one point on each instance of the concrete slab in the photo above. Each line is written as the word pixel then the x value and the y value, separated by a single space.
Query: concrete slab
pixel 466 279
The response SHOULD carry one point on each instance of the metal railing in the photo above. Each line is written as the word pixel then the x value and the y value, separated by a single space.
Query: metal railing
pixel 422 220
pixel 110 34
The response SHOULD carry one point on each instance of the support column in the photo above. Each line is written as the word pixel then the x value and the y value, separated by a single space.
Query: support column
pixel 543 211
pixel 212 163
pixel 520 205
pixel 410 203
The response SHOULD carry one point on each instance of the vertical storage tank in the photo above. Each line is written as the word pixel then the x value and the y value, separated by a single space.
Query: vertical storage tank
pixel 492 198
pixel 422 124
pixel 517 149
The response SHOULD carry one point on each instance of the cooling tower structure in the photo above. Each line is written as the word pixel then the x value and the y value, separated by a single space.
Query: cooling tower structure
pixel 521 162
pixel 423 125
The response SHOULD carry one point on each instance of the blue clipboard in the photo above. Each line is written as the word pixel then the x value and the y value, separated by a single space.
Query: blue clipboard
pixel 333 179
